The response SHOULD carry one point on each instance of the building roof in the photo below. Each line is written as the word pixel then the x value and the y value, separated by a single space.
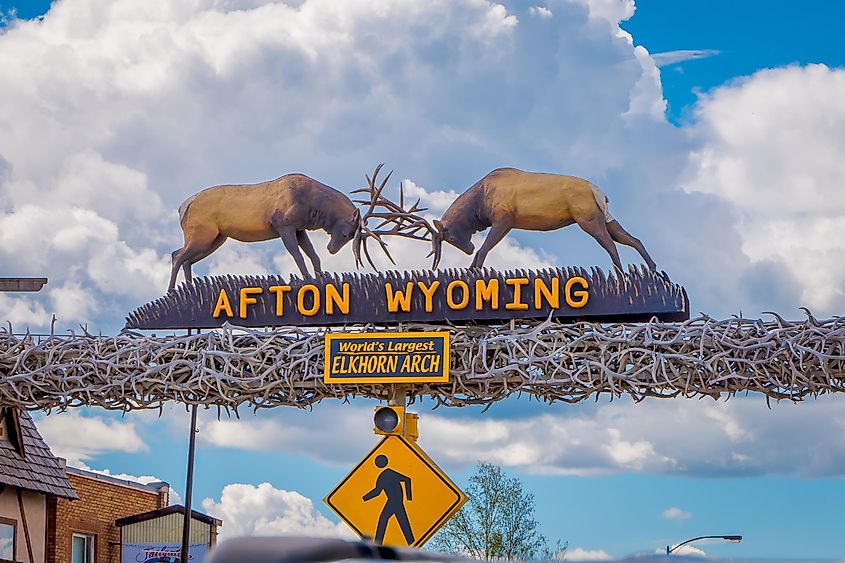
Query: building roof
pixel 153 487
pixel 30 464
pixel 172 509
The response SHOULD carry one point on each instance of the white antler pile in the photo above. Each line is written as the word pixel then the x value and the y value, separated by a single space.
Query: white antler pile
pixel 555 362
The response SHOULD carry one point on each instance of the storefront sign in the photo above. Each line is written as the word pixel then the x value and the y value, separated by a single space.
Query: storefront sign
pixel 159 553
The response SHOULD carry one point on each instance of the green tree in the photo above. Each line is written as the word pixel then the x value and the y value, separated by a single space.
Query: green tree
pixel 497 522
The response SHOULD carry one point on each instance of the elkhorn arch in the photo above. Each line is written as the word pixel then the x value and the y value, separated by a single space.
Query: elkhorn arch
pixel 236 367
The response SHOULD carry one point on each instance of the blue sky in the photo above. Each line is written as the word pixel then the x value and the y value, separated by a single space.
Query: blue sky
pixel 116 111
pixel 748 36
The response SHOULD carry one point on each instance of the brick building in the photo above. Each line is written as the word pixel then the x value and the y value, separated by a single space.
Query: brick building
pixel 57 514
pixel 84 530
pixel 31 477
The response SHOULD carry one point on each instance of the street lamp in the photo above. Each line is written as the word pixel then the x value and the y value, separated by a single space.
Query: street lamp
pixel 732 539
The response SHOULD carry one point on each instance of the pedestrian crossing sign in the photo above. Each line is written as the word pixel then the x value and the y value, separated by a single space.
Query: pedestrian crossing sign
pixel 396 495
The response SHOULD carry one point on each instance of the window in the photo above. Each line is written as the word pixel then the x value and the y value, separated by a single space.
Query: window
pixel 7 540
pixel 82 549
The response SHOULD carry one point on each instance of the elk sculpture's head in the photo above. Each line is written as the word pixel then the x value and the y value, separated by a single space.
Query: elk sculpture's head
pixel 459 238
pixel 343 231
pixel 393 219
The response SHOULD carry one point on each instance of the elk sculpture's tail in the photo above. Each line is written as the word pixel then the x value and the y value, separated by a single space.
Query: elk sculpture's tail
pixel 602 201
pixel 183 209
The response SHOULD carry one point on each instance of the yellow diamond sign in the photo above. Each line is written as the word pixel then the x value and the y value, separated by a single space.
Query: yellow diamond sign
pixel 396 495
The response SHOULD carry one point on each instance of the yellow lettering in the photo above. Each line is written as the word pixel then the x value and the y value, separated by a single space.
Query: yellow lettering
pixel 428 291
pixel 406 365
pixel 415 364
pixel 334 298
pixel 450 295
pixel 246 300
pixel 433 364
pixel 315 300
pixel 516 304
pixel 581 296
pixel 486 290
pixel 223 304
pixel 382 364
pixel 279 290
pixel 399 298
pixel 542 291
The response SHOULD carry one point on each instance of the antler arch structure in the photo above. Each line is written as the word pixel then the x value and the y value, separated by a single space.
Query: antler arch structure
pixel 236 367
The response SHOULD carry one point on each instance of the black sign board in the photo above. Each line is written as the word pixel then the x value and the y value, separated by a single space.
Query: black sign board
pixel 387 357
pixel 452 296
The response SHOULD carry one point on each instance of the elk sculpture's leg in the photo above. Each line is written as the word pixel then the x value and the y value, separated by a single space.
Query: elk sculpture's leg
pixel 622 236
pixel 289 239
pixel 186 266
pixel 497 233
pixel 199 243
pixel 306 246
pixel 595 226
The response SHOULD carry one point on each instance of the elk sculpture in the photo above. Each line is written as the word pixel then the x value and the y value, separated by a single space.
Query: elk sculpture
pixel 287 208
pixel 508 198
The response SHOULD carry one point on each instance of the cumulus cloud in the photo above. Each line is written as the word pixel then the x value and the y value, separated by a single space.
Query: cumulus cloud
pixel 580 554
pixel 141 104
pixel 173 498
pixel 685 550
pixel 77 437
pixel 736 438
pixel 263 510
pixel 540 11
pixel 675 513
pixel 770 146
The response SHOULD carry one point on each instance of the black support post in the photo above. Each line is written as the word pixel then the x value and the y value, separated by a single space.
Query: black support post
pixel 189 485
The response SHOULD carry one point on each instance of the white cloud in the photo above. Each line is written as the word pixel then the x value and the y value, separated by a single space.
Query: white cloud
pixel 141 104
pixel 263 510
pixel 22 312
pixel 174 496
pixel 740 437
pixel 771 148
pixel 77 437
pixel 675 513
pixel 668 58
pixel 540 11
pixel 613 11
pixel 580 554
pixel 685 551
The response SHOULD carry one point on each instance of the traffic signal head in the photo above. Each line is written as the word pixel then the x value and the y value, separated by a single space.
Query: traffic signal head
pixel 389 420
pixel 394 421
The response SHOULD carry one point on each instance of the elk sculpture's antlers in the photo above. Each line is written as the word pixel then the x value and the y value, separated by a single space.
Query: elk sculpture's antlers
pixel 394 219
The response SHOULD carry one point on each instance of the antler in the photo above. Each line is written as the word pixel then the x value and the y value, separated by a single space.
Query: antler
pixel 394 220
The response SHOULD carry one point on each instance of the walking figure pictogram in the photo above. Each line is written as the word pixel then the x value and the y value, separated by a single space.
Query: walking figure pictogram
pixel 390 482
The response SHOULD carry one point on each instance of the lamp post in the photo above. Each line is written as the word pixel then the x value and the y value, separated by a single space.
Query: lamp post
pixel 732 539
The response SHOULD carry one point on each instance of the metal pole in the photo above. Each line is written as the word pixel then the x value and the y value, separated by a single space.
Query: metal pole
pixel 189 485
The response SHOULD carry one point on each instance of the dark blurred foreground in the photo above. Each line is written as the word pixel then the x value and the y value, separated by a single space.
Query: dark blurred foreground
pixel 302 549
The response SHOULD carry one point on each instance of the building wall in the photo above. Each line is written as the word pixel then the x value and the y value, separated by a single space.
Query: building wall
pixel 100 504
pixel 35 507
pixel 167 529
